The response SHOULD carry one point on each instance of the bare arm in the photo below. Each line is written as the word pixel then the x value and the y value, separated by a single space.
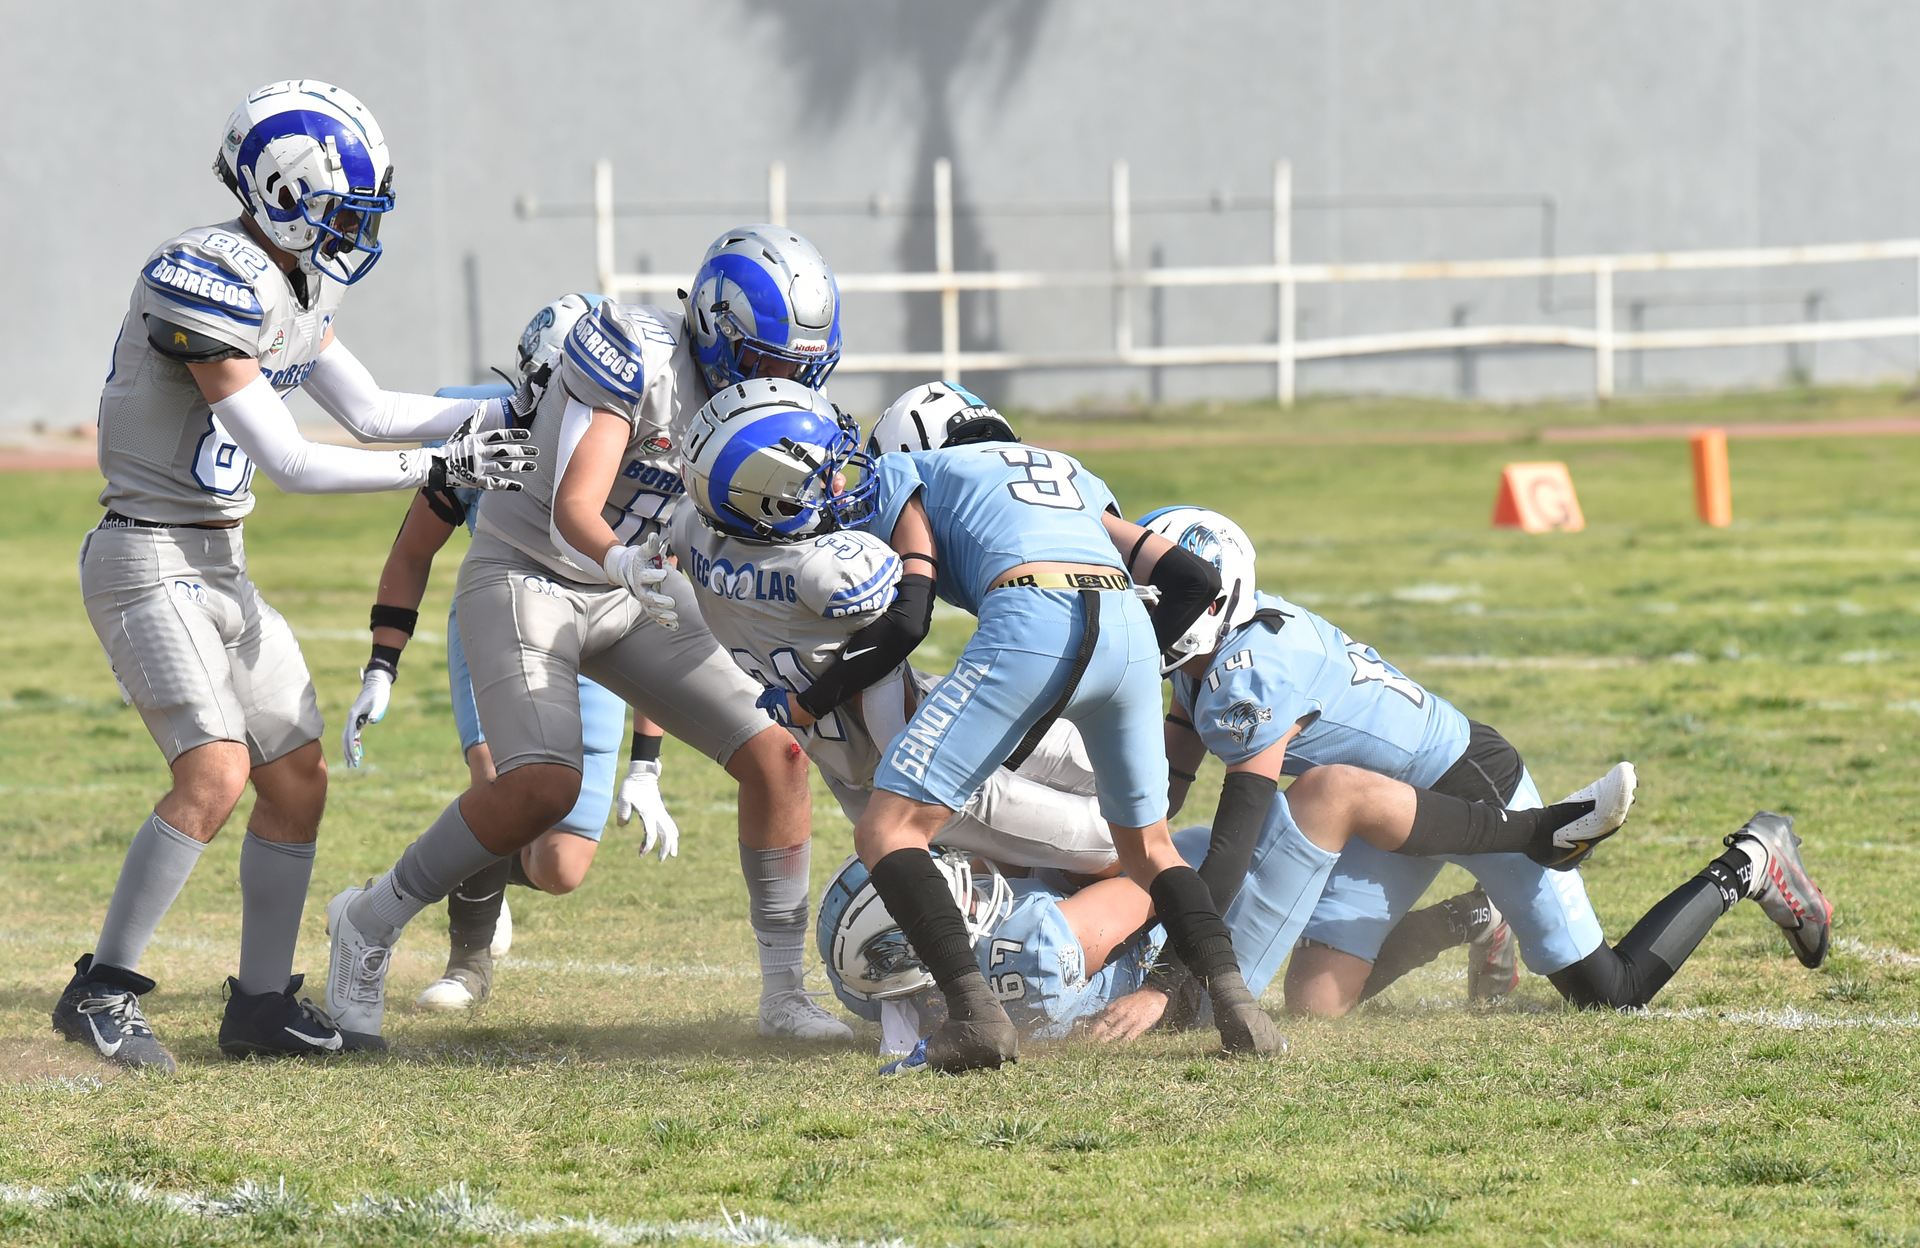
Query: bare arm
pixel 403 581
pixel 1126 539
pixel 1104 914
pixel 581 492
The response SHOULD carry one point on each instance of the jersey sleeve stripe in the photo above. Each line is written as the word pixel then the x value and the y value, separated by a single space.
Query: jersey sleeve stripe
pixel 608 358
pixel 888 575
pixel 204 287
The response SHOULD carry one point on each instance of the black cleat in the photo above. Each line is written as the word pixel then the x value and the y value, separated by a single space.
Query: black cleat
pixel 101 1008
pixel 274 1024
pixel 977 1035
pixel 1245 1028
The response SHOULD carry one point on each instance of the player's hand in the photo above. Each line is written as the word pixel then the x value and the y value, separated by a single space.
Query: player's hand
pixel 784 710
pixel 376 690
pixel 482 461
pixel 641 569
pixel 640 795
pixel 1130 1017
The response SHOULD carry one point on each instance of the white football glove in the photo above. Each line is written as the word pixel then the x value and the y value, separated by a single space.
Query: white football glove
pixel 641 568
pixel 640 795
pixel 376 690
pixel 476 458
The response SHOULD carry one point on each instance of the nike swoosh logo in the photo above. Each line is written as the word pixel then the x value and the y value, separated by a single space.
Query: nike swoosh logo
pixel 319 1042
pixel 100 1041
pixel 854 654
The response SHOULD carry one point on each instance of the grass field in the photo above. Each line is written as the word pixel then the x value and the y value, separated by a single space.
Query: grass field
pixel 616 1075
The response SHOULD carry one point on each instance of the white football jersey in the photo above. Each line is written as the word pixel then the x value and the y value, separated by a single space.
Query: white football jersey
pixel 163 452
pixel 784 610
pixel 633 360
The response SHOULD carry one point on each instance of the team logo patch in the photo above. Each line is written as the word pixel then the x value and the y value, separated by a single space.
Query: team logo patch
pixel 658 444
pixel 1243 719
pixel 279 340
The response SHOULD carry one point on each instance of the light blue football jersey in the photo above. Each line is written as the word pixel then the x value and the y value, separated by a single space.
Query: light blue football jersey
pixel 995 506
pixel 1288 665
pixel 1035 966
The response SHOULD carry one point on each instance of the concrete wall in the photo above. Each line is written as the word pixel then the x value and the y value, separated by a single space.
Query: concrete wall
pixel 1643 124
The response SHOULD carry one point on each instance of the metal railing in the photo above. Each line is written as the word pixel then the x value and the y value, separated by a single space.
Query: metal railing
pixel 1285 277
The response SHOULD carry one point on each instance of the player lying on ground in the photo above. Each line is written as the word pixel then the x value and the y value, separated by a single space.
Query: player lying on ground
pixel 224 320
pixel 1021 538
pixel 1277 689
pixel 569 582
pixel 479 924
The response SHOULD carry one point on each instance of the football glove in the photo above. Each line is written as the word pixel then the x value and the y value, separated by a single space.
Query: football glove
pixel 773 700
pixel 376 690
pixel 640 795
pixel 640 569
pixel 480 458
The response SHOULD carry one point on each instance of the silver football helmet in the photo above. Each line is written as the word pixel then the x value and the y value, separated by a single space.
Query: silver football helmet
pixel 867 955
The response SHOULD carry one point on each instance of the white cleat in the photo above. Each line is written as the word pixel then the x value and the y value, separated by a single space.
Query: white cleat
pixel 446 995
pixel 1612 798
pixel 502 932
pixel 793 1015
pixel 357 977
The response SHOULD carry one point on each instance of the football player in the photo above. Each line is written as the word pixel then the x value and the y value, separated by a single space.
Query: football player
pixel 224 320
pixel 1026 540
pixel 569 581
pixel 479 924
pixel 1274 689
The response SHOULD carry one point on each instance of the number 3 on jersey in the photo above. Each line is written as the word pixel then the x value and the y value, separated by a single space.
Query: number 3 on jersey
pixel 219 465
pixel 1047 484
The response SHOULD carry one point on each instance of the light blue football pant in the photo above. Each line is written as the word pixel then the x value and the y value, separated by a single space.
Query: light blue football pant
pixel 603 721
pixel 1372 889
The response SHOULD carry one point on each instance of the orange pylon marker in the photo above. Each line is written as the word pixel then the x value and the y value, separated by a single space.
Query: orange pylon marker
pixel 1537 498
pixel 1712 486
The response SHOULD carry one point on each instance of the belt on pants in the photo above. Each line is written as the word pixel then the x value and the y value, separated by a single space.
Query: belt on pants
pixel 1064 580
pixel 114 520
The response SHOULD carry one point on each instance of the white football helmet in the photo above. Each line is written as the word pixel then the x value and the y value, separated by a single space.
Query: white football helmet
pixel 934 415
pixel 764 304
pixel 761 460
pixel 308 163
pixel 1226 546
pixel 866 954
pixel 545 336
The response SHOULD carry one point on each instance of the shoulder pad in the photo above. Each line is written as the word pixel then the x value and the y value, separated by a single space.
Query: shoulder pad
pixel 602 365
pixel 848 574
pixel 210 282
pixel 188 346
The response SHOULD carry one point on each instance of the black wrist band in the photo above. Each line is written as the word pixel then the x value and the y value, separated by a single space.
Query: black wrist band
pixel 924 558
pixel 385 659
pixel 1188 776
pixel 394 617
pixel 646 749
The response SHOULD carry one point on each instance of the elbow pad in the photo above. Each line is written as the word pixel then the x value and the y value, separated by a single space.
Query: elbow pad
pixel 1188 585
pixel 877 649
pixel 1245 800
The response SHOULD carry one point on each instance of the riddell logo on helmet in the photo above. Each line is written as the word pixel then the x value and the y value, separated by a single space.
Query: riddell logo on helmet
pixel 807 347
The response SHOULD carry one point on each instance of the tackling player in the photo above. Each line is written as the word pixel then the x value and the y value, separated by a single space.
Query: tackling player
pixel 224 320
pixel 567 580
pixel 479 924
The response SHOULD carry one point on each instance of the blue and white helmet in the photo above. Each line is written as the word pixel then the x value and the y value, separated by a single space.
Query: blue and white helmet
pixel 762 458
pixel 545 336
pixel 1226 546
pixel 308 163
pixel 937 414
pixel 764 304
pixel 867 956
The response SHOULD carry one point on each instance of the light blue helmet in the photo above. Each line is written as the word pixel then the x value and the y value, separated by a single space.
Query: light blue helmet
pixel 868 957
pixel 308 163
pixel 764 304
pixel 762 457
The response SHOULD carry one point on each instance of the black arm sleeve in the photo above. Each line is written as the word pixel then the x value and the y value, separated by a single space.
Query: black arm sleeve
pixel 1244 802
pixel 188 346
pixel 877 649
pixel 1188 585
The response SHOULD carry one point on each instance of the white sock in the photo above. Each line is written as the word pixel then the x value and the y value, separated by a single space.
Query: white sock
pixel 1756 853
pixel 782 954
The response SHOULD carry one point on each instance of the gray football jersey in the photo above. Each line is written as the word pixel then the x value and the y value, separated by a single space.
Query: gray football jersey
pixel 784 611
pixel 632 359
pixel 162 450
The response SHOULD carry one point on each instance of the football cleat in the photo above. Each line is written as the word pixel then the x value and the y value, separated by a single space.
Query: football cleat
pixel 276 1024
pixel 1245 1028
pixel 1612 797
pixel 101 1007
pixel 912 1063
pixel 1493 955
pixel 793 1015
pixel 1785 890
pixel 468 982
pixel 502 931
pixel 357 974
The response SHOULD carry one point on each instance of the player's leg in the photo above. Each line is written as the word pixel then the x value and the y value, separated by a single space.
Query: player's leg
pixel 524 633
pixel 687 685
pixel 557 863
pixel 1762 862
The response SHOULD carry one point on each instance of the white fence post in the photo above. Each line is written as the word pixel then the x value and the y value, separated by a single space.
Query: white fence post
pixel 943 264
pixel 1122 260
pixel 777 192
pixel 1284 291
pixel 1603 332
pixel 603 225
